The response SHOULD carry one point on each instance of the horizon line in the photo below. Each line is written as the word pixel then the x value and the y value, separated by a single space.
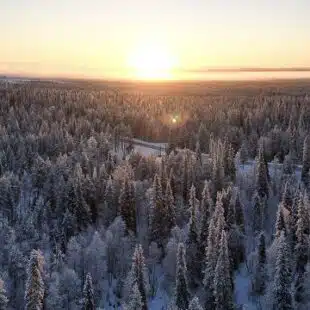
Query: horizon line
pixel 246 69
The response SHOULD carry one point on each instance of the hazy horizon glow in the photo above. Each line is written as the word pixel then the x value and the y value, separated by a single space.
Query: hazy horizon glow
pixel 97 38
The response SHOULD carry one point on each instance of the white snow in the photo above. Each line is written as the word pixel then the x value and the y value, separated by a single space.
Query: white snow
pixel 147 151
pixel 161 300
pixel 162 145
pixel 242 287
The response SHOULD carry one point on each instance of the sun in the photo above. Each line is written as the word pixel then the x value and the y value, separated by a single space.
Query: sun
pixel 151 62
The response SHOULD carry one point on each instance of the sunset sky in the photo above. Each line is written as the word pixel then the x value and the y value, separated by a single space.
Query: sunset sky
pixel 99 38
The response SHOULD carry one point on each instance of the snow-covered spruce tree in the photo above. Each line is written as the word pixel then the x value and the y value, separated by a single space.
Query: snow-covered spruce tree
pixel 206 205
pixel 186 178
pixel 302 235
pixel 217 177
pixel 158 229
pixel 229 163
pixel 301 248
pixel 206 209
pixel 182 295
pixel 287 197
pixel 288 168
pixel 198 153
pixel 231 215
pixel 281 295
pixel 262 186
pixel 3 299
pixel 127 204
pixel 280 223
pixel 306 161
pixel 236 247
pixel 88 302
pixel 169 207
pixel 239 213
pixel 138 275
pixel 34 293
pixel 258 212
pixel 260 272
pixel 223 291
pixel 219 219
pixel 210 264
pixel 108 212
pixel 192 241
pixel 227 195
pixel 244 154
pixel 162 173
pixel 172 182
pixel 135 299
pixel 77 204
pixel 194 304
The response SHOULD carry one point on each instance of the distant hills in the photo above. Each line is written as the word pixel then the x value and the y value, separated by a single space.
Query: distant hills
pixel 247 69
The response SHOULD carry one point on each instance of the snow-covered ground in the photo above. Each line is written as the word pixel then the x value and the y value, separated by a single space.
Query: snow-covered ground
pixel 242 287
pixel 147 151
pixel 163 145
pixel 147 148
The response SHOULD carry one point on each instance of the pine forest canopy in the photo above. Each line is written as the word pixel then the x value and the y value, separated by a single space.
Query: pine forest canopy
pixel 218 221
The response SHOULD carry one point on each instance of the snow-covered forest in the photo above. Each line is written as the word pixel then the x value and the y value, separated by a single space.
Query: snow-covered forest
pixel 218 219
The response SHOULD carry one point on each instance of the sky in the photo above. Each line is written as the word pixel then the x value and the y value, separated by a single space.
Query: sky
pixel 97 38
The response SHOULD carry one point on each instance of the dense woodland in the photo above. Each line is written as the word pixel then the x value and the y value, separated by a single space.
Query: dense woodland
pixel 88 223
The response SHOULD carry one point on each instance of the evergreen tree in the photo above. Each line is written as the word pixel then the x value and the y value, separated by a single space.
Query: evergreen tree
pixel 227 199
pixel 261 175
pixel 172 182
pixel 230 168
pixel 3 298
pixel 159 231
pixel 223 290
pixel 219 218
pixel 186 178
pixel 236 247
pixel 109 211
pixel 198 153
pixel 77 205
pixel 203 138
pixel 302 234
pixel 301 248
pixel 138 276
pixel 135 302
pixel 306 161
pixel 281 289
pixel 231 215
pixel 192 240
pixel 280 223
pixel 258 212
pixel 88 294
pixel 287 199
pixel 170 208
pixel 211 260
pixel 127 204
pixel 194 304
pixel 217 177
pixel 206 205
pixel 182 295
pixel 244 152
pixel 239 213
pixel 288 165
pixel 34 293
pixel 206 209
pixel 193 203
pixel 260 273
